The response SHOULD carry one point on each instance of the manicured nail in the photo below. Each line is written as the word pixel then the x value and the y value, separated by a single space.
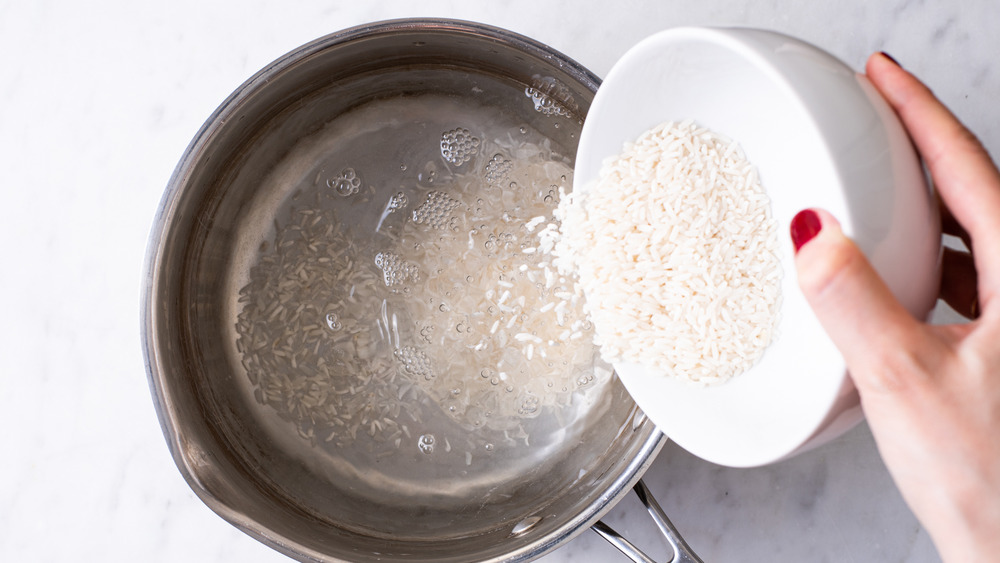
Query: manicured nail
pixel 805 225
pixel 891 58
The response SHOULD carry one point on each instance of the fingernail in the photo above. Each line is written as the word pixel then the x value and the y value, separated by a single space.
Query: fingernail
pixel 891 58
pixel 805 225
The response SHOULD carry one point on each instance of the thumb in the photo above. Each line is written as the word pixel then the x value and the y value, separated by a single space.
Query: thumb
pixel 855 307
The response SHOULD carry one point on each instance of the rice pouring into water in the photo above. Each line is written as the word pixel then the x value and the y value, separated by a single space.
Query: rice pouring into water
pixel 674 249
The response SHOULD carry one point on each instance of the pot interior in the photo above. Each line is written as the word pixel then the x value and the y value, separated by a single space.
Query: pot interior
pixel 335 363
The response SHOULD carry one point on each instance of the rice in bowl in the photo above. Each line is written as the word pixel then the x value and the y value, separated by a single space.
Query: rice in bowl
pixel 675 249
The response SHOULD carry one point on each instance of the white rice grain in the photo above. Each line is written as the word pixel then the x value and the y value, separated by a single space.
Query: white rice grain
pixel 675 250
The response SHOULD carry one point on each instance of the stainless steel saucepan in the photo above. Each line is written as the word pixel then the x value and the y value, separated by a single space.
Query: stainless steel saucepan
pixel 326 469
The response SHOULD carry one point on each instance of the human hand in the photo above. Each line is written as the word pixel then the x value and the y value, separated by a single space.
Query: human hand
pixel 931 394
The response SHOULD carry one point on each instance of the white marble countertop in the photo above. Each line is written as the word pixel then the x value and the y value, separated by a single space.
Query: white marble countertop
pixel 98 101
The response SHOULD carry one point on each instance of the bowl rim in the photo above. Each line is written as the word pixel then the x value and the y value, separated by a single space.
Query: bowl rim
pixel 840 406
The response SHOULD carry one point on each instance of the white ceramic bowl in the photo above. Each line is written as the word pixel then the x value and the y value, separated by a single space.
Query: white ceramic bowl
pixel 821 136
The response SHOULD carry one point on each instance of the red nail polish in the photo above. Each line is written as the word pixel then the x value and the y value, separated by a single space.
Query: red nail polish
pixel 891 58
pixel 805 225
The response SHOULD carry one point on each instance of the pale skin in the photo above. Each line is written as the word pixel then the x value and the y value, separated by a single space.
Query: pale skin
pixel 931 394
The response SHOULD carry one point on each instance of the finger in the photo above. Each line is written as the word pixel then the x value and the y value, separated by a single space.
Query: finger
pixel 958 283
pixel 963 172
pixel 951 226
pixel 850 300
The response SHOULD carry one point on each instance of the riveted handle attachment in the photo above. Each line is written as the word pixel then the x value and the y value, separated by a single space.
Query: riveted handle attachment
pixel 682 553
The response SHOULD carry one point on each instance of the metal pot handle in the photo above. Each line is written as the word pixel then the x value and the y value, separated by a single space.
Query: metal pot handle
pixel 682 553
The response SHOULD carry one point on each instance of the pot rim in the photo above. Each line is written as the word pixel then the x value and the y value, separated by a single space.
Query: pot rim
pixel 163 400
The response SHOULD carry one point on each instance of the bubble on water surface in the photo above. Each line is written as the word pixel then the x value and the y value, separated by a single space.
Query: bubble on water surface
pixel 426 443
pixel 497 169
pixel 397 202
pixel 550 96
pixel 333 322
pixel 346 183
pixel 426 332
pixel 395 270
pixel 414 362
pixel 458 146
pixel 436 210
pixel 529 406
